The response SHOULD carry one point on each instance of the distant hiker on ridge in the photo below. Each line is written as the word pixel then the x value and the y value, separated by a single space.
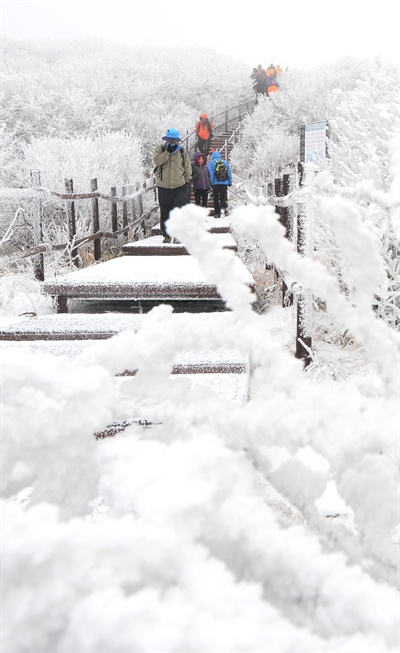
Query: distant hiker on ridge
pixel 272 85
pixel 173 173
pixel 271 70
pixel 259 78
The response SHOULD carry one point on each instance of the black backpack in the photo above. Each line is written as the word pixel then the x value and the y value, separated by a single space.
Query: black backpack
pixel 221 171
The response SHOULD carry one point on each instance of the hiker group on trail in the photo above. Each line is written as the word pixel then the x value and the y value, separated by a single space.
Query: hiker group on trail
pixel 265 82
pixel 176 174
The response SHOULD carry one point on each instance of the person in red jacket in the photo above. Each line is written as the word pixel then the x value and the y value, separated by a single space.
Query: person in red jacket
pixel 204 134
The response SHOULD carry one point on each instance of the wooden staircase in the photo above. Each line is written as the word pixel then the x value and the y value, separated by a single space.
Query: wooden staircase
pixel 219 140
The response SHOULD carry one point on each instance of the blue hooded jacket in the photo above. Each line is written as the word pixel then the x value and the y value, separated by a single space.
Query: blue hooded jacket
pixel 215 157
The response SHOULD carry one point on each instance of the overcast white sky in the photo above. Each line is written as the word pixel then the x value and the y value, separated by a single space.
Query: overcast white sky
pixel 294 33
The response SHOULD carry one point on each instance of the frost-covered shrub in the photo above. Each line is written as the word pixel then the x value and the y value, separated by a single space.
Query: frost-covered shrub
pixel 185 551
pixel 66 91
pixel 113 158
pixel 270 138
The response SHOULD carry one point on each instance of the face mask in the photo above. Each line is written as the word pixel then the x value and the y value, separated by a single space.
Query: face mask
pixel 172 147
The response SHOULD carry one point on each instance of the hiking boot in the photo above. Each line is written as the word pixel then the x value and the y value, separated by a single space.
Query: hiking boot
pixel 167 239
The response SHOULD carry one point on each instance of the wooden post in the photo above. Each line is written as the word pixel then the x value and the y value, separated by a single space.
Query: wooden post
pixel 114 213
pixel 132 203
pixel 37 226
pixel 287 221
pixel 287 211
pixel 304 299
pixel 140 200
pixel 95 221
pixel 226 148
pixel 278 188
pixel 71 223
pixel 124 210
pixel 62 304
pixel 278 193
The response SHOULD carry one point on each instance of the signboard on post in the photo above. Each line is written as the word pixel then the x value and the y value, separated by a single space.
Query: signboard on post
pixel 313 143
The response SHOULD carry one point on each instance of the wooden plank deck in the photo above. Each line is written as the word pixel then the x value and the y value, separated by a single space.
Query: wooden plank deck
pixel 171 278
pixel 154 246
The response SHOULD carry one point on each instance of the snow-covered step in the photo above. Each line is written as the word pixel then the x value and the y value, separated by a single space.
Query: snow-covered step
pixel 214 226
pixel 99 326
pixel 155 278
pixel 219 361
pixel 154 246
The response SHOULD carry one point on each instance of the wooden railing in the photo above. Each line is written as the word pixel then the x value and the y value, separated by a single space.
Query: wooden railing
pixel 282 193
pixel 239 110
pixel 133 214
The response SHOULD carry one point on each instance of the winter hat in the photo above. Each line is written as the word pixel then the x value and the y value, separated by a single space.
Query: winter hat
pixel 171 135
pixel 203 115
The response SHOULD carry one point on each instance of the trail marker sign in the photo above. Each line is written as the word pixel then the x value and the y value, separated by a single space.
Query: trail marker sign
pixel 313 143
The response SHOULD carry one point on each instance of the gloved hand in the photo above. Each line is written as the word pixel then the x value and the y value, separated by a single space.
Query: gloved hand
pixel 172 147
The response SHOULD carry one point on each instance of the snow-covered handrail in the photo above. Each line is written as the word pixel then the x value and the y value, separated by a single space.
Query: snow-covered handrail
pixel 35 193
pixel 224 122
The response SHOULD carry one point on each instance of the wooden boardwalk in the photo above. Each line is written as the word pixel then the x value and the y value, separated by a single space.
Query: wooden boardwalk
pixel 149 271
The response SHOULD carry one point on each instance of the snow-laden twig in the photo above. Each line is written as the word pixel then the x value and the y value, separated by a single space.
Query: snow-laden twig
pixel 9 231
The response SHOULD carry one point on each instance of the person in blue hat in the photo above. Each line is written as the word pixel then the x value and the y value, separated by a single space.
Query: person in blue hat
pixel 173 173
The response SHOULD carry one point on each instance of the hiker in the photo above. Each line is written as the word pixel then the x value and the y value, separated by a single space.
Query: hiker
pixel 271 70
pixel 200 179
pixel 259 80
pixel 272 85
pixel 173 173
pixel 279 70
pixel 221 178
pixel 204 134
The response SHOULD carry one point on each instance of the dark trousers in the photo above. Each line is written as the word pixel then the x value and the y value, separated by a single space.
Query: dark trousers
pixel 168 199
pixel 203 146
pixel 220 196
pixel 201 197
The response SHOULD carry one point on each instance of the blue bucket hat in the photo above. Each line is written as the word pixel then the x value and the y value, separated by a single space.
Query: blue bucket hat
pixel 171 135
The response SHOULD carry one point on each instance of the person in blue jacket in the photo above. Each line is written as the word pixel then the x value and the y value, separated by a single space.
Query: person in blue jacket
pixel 221 177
